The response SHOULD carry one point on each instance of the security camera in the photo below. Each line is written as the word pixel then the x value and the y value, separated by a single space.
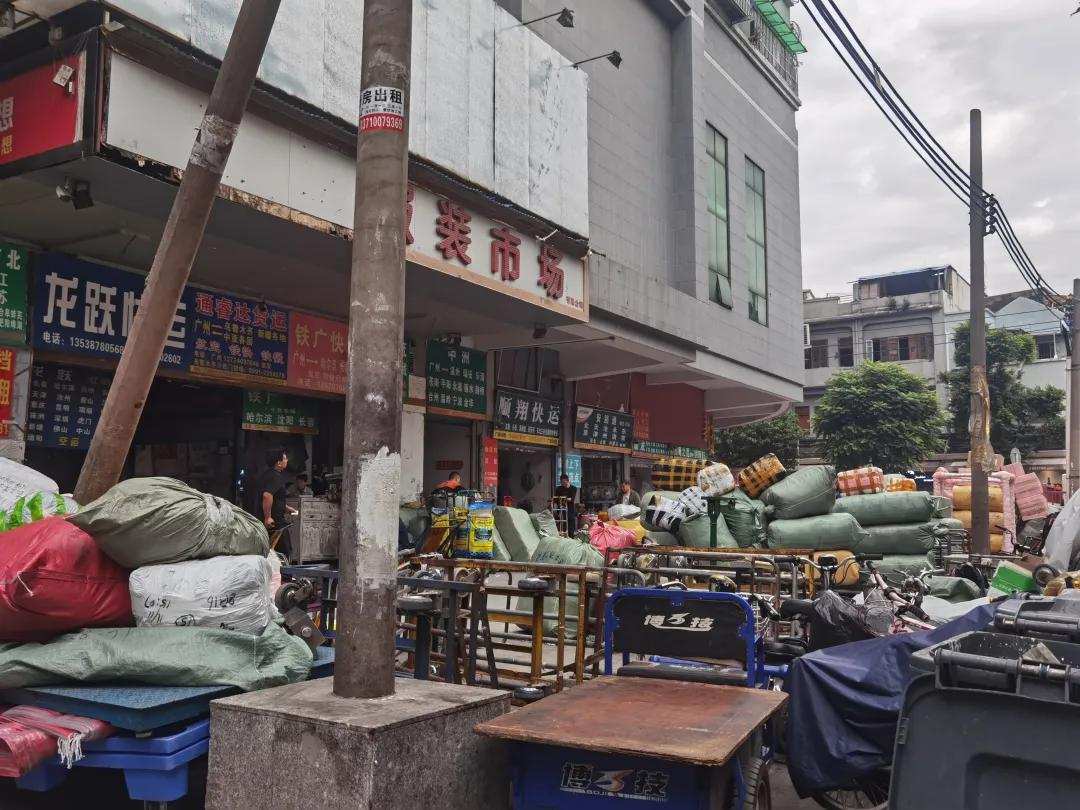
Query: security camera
pixel 76 192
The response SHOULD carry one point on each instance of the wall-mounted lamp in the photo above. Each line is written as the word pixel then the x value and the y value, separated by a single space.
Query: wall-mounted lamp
pixel 565 18
pixel 614 57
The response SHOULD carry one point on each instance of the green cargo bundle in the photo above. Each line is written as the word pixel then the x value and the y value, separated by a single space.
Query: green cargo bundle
pixel 745 518
pixel 891 508
pixel 906 538
pixel 905 564
pixel 153 521
pixel 544 522
pixel 516 530
pixel 821 532
pixel 695 533
pixel 676 473
pixel 804 493
pixel 562 551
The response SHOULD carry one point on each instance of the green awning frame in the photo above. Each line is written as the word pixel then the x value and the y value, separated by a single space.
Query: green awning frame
pixel 780 26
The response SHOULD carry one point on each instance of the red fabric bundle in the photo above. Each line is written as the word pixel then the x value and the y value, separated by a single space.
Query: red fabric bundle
pixel 55 579
pixel 29 735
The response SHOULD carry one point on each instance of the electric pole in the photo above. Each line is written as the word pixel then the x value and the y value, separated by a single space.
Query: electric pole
pixel 1074 392
pixel 364 666
pixel 176 252
pixel 979 423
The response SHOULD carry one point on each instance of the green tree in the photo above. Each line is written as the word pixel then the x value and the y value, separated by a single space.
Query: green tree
pixel 880 414
pixel 1026 418
pixel 738 446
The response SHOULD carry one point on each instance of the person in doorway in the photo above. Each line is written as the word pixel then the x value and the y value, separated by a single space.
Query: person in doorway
pixel 567 490
pixel 272 487
pixel 300 486
pixel 451 484
pixel 628 496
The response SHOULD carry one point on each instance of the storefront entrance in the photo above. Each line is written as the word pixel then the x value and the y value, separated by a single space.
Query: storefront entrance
pixel 526 475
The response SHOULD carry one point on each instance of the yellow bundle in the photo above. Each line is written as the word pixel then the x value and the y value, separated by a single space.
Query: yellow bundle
pixel 961 499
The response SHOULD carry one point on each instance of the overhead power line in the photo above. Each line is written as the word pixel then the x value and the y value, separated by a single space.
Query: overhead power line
pixel 856 57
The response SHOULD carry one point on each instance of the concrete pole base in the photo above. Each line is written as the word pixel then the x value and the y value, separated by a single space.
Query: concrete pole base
pixel 301 746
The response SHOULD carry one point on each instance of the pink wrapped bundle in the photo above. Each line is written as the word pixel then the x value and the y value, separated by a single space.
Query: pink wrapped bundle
pixel 1030 500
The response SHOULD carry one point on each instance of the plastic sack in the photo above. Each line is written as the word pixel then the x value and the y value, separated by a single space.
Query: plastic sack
pixel 229 593
pixel 1062 548
pixel 19 481
pixel 162 656
pixel 692 502
pixel 676 473
pixel 835 620
pixel 961 498
pixel 624 511
pixel 806 492
pixel 55 579
pixel 906 538
pixel 744 518
pixel 151 521
pixel 635 528
pixel 544 522
pixel 663 514
pixel 604 536
pixel 1031 501
pixel 757 476
pixel 861 481
pixel 37 506
pixel 650 499
pixel 517 533
pixel 716 479
pixel 818 533
pixel 900 483
pixel 886 508
pixel 696 533
pixel 562 551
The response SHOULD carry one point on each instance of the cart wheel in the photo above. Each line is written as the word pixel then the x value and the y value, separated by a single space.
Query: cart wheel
pixel 1043 574
pixel 871 793
pixel 756 779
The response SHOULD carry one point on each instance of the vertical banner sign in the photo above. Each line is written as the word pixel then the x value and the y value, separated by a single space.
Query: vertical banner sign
pixel 382 108
pixel 13 272
pixel 317 353
pixel 7 385
pixel 456 380
pixel 527 418
pixel 65 405
pixel 491 464
pixel 572 468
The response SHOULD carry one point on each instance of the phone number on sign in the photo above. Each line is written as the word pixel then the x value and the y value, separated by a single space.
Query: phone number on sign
pixel 382 121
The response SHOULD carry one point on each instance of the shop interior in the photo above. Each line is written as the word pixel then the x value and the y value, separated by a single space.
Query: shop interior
pixel 526 475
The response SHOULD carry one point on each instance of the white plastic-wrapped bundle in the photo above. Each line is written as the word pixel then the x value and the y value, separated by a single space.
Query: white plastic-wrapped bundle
pixel 230 593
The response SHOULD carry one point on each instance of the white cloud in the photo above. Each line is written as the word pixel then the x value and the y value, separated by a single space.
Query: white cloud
pixel 869 205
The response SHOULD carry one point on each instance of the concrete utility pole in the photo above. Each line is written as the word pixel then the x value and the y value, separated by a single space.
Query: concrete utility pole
pixel 1074 392
pixel 364 665
pixel 176 252
pixel 980 404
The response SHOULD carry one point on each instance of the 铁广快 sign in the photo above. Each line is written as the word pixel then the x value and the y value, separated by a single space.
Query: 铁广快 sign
pixel 317 352
pixel 528 418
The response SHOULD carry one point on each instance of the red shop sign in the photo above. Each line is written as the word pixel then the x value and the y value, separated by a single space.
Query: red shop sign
pixel 7 385
pixel 491 463
pixel 41 110
pixel 317 353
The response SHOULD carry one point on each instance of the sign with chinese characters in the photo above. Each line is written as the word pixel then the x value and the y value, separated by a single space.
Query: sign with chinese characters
pixel 37 114
pixel 681 451
pixel 528 418
pixel 490 467
pixel 264 410
pixel 7 390
pixel 642 424
pixel 658 450
pixel 317 351
pixel 382 108
pixel 596 429
pixel 14 261
pixel 65 404
pixel 238 338
pixel 456 380
pixel 85 308
pixel 444 235
pixel 597 779
pixel 572 468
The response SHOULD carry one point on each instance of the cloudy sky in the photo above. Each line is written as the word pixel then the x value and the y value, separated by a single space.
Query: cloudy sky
pixel 869 205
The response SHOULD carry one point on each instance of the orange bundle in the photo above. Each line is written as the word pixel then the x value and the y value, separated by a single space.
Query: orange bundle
pixel 861 481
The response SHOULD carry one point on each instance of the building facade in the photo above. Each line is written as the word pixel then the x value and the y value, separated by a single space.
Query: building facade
pixel 588 244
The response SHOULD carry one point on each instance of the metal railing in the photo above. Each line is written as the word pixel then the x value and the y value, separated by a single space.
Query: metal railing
pixel 743 16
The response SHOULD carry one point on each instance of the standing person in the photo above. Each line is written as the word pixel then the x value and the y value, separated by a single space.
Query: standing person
pixel 628 495
pixel 567 490
pixel 271 489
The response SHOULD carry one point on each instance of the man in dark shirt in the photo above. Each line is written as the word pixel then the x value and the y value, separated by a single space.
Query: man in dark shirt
pixel 271 489
pixel 570 492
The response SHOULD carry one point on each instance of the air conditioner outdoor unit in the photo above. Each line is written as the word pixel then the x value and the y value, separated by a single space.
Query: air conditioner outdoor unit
pixel 806 335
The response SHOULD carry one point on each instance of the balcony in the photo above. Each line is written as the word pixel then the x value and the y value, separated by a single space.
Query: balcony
pixel 932 299
pixel 763 35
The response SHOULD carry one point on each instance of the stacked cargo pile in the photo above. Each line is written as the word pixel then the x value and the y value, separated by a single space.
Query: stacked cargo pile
pixel 956 487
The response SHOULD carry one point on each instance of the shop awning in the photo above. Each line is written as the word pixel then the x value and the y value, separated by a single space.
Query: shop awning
pixel 780 26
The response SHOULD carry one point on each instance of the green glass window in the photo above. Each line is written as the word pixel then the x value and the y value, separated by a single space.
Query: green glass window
pixel 719 247
pixel 756 272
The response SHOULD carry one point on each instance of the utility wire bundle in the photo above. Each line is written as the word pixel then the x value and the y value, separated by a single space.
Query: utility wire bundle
pixel 857 59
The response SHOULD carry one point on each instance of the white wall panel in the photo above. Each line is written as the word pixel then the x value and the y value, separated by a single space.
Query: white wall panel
pixel 492 102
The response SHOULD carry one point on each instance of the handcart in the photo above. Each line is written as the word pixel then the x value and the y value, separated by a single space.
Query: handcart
pixel 698 739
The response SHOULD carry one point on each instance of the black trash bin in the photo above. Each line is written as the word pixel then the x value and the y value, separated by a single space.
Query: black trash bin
pixel 994 724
